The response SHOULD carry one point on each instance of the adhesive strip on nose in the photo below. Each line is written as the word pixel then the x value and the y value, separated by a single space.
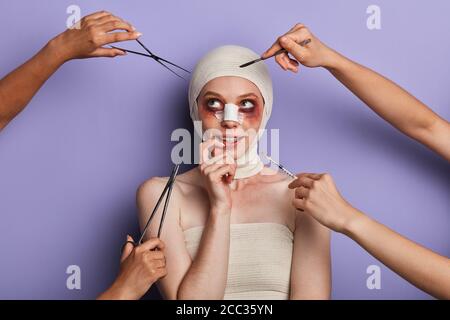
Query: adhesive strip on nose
pixel 231 113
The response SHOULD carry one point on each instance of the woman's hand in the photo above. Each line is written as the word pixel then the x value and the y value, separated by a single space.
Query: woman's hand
pixel 218 173
pixel 140 268
pixel 317 195
pixel 313 54
pixel 96 31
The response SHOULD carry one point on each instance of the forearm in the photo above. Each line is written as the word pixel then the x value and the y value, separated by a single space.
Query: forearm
pixel 384 97
pixel 416 264
pixel 207 276
pixel 19 87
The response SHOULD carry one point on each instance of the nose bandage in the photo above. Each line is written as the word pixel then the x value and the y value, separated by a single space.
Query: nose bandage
pixel 222 62
pixel 230 113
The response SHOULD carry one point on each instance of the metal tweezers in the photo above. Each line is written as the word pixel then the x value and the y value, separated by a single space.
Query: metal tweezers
pixel 168 190
pixel 155 57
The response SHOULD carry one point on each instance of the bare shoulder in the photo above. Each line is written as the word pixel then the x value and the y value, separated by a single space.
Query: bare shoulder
pixel 276 180
pixel 151 189
pixel 187 200
pixel 274 184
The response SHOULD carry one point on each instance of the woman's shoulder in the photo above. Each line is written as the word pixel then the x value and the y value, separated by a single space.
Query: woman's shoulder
pixel 276 183
pixel 275 178
pixel 183 183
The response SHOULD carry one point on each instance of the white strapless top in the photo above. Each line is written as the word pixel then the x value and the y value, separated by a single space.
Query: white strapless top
pixel 259 262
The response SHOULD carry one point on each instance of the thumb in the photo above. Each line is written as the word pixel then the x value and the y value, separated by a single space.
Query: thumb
pixel 292 47
pixel 127 249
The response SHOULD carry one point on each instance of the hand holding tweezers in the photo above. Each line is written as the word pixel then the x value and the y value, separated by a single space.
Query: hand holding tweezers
pixel 303 43
pixel 158 59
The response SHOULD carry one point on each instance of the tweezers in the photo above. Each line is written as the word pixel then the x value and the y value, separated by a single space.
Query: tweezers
pixel 303 43
pixel 168 190
pixel 155 57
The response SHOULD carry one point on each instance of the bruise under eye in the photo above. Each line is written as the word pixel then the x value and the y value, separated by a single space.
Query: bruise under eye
pixel 247 105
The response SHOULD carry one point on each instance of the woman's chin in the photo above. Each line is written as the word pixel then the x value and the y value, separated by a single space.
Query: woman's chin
pixel 237 150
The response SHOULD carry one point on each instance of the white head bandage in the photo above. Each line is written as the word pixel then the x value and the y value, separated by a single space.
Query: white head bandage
pixel 225 61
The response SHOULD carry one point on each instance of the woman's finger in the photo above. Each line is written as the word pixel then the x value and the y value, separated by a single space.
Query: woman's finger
pixel 299 204
pixel 161 272
pixel 289 42
pixel 207 147
pixel 97 15
pixel 152 244
pixel 154 255
pixel 212 168
pixel 158 263
pixel 276 45
pixel 103 19
pixel 306 181
pixel 220 158
pixel 289 63
pixel 108 53
pixel 302 180
pixel 281 61
pixel 119 37
pixel 301 192
pixel 297 27
pixel 299 35
pixel 297 182
pixel 127 248
pixel 274 48
pixel 315 176
pixel 114 25
pixel 226 169
pixel 294 64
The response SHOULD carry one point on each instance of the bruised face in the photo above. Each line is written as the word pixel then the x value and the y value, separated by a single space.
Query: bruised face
pixel 231 111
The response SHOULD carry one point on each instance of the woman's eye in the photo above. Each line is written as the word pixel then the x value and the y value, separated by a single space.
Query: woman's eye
pixel 214 104
pixel 247 104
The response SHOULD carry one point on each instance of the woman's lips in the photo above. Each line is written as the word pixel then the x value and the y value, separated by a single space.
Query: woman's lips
pixel 231 141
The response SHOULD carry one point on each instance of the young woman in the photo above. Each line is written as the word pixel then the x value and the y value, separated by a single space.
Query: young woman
pixel 231 231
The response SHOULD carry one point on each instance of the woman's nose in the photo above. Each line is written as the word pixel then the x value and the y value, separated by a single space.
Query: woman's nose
pixel 230 124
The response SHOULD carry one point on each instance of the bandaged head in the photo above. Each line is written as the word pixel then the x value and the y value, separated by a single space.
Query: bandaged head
pixel 225 61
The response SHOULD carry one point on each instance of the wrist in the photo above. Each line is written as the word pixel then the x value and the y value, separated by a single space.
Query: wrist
pixel 54 50
pixel 354 222
pixel 219 219
pixel 220 210
pixel 334 61
pixel 117 291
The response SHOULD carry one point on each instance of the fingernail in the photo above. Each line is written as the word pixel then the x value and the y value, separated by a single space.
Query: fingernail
pixel 139 34
pixel 133 28
pixel 284 39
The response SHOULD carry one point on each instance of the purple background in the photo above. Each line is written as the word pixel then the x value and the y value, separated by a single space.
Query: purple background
pixel 71 162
